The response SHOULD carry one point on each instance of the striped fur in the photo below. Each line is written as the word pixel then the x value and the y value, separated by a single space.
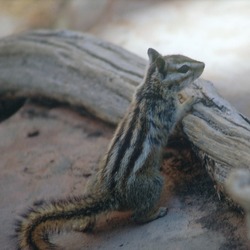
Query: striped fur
pixel 129 177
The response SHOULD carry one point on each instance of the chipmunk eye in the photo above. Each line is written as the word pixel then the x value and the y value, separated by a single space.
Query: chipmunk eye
pixel 183 69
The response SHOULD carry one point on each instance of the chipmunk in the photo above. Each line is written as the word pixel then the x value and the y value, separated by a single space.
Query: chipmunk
pixel 129 178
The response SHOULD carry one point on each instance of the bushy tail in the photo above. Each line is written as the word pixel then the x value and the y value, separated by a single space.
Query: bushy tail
pixel 52 217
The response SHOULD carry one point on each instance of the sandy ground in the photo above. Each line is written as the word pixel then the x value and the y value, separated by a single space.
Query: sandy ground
pixel 53 152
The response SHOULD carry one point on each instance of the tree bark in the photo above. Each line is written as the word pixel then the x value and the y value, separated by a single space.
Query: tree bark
pixel 87 72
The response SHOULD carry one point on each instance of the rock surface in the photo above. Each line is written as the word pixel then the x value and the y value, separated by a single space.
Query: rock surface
pixel 53 152
pixel 49 153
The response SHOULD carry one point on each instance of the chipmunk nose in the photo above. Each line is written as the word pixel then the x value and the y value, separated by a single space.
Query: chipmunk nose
pixel 199 69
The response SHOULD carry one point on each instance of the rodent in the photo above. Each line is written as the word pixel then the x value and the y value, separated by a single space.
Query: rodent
pixel 129 178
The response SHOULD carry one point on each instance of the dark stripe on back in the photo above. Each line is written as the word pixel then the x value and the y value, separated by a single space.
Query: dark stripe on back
pixel 115 141
pixel 123 147
pixel 141 137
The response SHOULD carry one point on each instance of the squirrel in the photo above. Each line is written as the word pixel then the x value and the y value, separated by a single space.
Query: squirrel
pixel 129 178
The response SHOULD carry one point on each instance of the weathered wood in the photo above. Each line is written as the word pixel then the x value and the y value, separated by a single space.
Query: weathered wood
pixel 219 133
pixel 84 71
pixel 70 67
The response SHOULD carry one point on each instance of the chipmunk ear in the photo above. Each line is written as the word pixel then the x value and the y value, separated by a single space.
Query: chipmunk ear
pixel 160 64
pixel 153 54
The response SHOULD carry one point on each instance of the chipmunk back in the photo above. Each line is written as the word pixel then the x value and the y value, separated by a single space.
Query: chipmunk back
pixel 129 178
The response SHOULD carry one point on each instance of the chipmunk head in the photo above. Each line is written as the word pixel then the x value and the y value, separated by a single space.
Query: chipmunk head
pixel 174 70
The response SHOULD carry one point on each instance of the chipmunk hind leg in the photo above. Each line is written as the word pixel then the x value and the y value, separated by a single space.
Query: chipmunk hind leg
pixel 145 194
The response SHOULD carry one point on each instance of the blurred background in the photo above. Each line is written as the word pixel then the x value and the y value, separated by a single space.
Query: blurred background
pixel 215 32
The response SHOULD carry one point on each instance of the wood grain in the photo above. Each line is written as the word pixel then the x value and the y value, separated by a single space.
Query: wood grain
pixel 100 77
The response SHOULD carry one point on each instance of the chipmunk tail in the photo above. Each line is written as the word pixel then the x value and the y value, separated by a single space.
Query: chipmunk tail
pixel 46 218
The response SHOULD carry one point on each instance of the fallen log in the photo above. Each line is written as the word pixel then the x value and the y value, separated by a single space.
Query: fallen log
pixel 84 71
pixel 70 67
